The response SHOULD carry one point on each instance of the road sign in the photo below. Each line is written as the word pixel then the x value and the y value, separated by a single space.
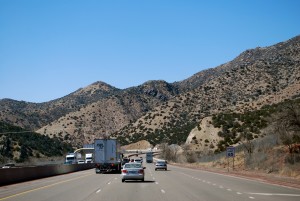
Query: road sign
pixel 230 152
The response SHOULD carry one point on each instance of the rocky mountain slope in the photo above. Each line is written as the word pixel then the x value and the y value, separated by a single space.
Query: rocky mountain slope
pixel 109 114
pixel 35 115
pixel 159 111
pixel 257 77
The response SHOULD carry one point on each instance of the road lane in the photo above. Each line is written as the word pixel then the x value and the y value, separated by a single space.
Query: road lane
pixel 222 187
pixel 130 190
pixel 175 184
pixel 74 186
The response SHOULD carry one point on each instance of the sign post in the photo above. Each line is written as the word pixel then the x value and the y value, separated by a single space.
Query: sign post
pixel 230 153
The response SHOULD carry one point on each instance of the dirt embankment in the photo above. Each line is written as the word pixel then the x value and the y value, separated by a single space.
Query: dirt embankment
pixel 281 173
pixel 138 145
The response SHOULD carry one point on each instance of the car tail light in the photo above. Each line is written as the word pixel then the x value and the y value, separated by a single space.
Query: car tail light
pixel 124 171
pixel 141 171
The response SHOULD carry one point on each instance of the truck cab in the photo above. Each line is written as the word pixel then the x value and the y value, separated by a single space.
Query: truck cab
pixel 71 158
pixel 89 158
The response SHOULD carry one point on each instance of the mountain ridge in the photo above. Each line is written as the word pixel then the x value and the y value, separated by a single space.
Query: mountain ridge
pixel 254 78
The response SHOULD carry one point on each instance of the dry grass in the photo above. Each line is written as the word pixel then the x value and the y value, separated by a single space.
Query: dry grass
pixel 270 164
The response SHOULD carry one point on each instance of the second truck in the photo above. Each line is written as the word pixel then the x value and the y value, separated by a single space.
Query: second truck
pixel 107 158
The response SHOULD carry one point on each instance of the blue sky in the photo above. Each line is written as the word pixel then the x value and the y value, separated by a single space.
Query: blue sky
pixel 50 48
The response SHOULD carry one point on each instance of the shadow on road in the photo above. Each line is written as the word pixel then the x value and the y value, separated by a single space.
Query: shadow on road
pixel 133 181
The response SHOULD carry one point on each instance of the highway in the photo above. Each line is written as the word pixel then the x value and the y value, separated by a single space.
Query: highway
pixel 176 184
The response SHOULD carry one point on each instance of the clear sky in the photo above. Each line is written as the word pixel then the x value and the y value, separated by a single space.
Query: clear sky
pixel 50 48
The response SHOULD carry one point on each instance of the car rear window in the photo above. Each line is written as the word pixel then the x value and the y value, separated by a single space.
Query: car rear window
pixel 132 165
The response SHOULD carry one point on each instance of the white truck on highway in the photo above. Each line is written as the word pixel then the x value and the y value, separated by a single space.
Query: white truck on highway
pixel 71 158
pixel 106 156
pixel 89 158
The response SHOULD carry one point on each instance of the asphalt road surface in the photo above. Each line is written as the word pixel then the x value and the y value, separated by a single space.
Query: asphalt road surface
pixel 176 184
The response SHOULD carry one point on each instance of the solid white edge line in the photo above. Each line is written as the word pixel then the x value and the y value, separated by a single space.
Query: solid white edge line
pixel 242 178
pixel 278 194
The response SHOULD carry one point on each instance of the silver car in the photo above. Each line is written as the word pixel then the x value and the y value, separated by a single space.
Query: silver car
pixel 133 171
pixel 80 161
pixel 161 165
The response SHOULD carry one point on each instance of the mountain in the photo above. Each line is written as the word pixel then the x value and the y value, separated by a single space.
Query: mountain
pixel 257 77
pixel 35 115
pixel 109 114
pixel 159 111
pixel 19 145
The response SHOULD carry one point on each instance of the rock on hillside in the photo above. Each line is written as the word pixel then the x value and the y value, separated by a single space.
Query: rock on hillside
pixel 204 138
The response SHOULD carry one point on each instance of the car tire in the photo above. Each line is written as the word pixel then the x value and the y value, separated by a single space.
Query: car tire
pixel 123 180
pixel 155 169
pixel 143 179
pixel 166 169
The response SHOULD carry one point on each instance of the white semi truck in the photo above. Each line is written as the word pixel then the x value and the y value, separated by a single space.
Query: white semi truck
pixel 106 156
pixel 89 158
pixel 71 158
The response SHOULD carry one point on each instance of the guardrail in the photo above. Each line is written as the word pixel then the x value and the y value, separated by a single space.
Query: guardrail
pixel 21 174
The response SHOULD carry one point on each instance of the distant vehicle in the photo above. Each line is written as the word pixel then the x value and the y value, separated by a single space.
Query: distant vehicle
pixel 149 157
pixel 138 160
pixel 161 165
pixel 125 160
pixel 106 156
pixel 80 161
pixel 89 158
pixel 71 158
pixel 133 171
pixel 9 165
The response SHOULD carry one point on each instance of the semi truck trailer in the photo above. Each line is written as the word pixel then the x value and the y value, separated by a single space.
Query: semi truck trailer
pixel 107 158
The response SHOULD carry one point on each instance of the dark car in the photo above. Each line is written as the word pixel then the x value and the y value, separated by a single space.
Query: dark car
pixel 125 160
pixel 161 165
